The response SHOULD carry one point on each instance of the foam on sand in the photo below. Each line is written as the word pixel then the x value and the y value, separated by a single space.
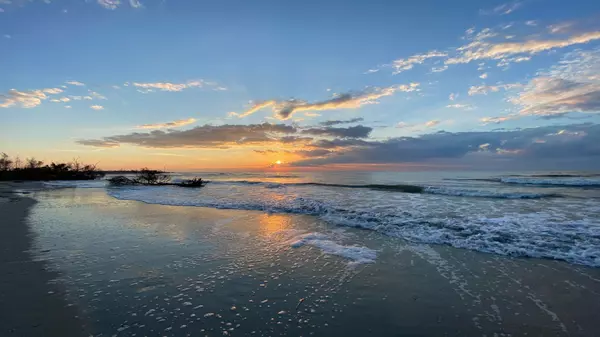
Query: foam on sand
pixel 357 254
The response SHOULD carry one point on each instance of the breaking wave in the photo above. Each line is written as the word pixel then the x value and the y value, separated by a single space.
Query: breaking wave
pixel 404 188
pixel 550 181
pixel 421 218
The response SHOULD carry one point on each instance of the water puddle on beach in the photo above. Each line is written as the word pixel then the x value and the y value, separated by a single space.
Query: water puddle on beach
pixel 134 269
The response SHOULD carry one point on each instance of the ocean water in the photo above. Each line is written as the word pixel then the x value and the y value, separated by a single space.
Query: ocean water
pixel 552 215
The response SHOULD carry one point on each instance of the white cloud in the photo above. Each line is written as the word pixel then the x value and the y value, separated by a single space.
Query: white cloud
pixel 560 27
pixel 135 4
pixel 52 91
pixel 24 99
pixel 485 89
pixel 416 127
pixel 453 96
pixel 167 86
pixel 497 120
pixel 94 95
pixel 463 106
pixel 401 65
pixel 97 107
pixel 573 85
pixel 481 48
pixel 503 9
pixel 76 83
pixel 60 100
pixel 532 23
pixel 439 69
pixel 109 4
pixel 483 76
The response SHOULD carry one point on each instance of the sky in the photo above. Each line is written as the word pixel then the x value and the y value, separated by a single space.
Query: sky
pixel 302 85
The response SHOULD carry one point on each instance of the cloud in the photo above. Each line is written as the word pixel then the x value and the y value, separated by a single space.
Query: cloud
pixel 358 131
pixel 438 69
pixel 338 122
pixel 76 83
pixel 98 143
pixel 560 27
pixel 24 99
pixel 52 91
pixel 573 85
pixel 173 124
pixel 206 136
pixel 401 65
pixel 483 76
pixel 94 95
pixel 532 147
pixel 418 127
pixel 481 48
pixel 109 4
pixel 485 89
pixel 463 106
pixel 97 107
pixel 313 153
pixel 167 86
pixel 285 109
pixel 503 9
pixel 79 98
pixel 497 120
pixel 265 151
pixel 60 100
pixel 452 96
pixel 135 4
pixel 431 124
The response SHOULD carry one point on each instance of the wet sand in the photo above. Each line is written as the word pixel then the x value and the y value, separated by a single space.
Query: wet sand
pixel 30 304
pixel 139 269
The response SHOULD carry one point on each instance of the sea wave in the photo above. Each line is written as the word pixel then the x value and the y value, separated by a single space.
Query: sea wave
pixel 488 194
pixel 542 233
pixel 405 188
pixel 566 181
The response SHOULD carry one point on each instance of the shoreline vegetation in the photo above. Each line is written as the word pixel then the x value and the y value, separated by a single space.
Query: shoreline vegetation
pixel 147 177
pixel 32 169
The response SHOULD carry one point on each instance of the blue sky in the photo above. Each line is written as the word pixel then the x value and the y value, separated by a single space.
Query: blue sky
pixel 189 84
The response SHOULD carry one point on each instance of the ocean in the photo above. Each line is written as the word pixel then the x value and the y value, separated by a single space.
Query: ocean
pixel 327 254
pixel 546 215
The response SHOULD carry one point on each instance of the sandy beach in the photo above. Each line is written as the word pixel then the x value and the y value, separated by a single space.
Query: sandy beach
pixel 30 303
pixel 125 268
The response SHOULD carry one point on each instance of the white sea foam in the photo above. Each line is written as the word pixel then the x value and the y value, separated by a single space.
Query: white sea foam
pixel 357 254
pixel 564 228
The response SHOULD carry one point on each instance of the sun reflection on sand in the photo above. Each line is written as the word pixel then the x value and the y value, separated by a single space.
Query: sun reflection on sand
pixel 273 223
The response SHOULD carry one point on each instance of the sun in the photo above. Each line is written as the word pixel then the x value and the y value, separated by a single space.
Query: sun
pixel 278 162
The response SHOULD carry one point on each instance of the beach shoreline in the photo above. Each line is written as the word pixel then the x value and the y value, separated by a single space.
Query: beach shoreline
pixel 129 267
pixel 30 304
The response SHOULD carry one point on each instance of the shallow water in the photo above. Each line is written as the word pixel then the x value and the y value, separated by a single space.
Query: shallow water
pixel 141 269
